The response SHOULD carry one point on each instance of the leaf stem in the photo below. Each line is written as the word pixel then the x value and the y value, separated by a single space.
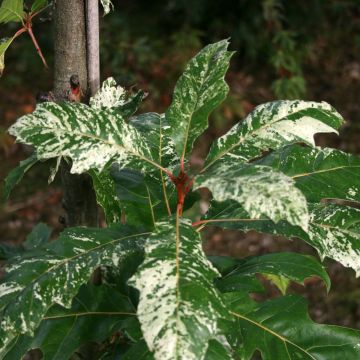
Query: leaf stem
pixel 37 47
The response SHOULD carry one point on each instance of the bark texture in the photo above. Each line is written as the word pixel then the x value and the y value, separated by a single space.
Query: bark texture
pixel 79 199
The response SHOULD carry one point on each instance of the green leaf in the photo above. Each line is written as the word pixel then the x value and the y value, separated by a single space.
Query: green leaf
pixel 16 175
pixel 38 5
pixel 11 11
pixel 199 90
pixel 333 229
pixel 281 329
pixel 113 96
pixel 106 197
pixel 271 126
pixel 53 275
pixel 138 351
pixel 96 313
pixel 318 173
pixel 39 235
pixel 292 266
pixel 179 307
pixel 8 251
pixel 4 44
pixel 259 189
pixel 281 282
pixel 91 138
pixel 107 5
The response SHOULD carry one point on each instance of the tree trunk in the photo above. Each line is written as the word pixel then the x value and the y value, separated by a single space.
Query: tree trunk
pixel 79 199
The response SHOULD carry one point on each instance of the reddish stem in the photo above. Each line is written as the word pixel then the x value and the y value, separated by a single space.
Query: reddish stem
pixel 19 32
pixel 37 47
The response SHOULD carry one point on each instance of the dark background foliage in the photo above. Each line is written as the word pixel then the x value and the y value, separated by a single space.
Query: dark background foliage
pixel 284 49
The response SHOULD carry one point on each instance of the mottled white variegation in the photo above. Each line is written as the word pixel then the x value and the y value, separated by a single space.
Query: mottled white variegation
pixel 54 276
pixel 107 5
pixel 110 95
pixel 179 307
pixel 273 125
pixel 91 138
pixel 260 190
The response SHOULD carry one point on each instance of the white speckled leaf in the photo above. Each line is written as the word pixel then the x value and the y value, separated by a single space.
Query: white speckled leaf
pixel 54 273
pixel 91 138
pixel 113 96
pixel 318 173
pixel 96 313
pixel 259 189
pixel 179 307
pixel 107 5
pixel 199 90
pixel 106 197
pixel 271 126
pixel 333 231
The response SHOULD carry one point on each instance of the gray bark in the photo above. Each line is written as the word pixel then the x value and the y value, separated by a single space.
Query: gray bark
pixel 79 199
pixel 93 54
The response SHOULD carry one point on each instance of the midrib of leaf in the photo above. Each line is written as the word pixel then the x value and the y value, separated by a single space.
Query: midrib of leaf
pixel 13 12
pixel 161 172
pixel 177 277
pixel 191 115
pixel 282 338
pixel 88 313
pixel 150 161
pixel 241 140
pixel 324 171
pixel 151 206
pixel 76 256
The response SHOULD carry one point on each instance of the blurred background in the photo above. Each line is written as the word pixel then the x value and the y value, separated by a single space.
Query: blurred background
pixel 285 49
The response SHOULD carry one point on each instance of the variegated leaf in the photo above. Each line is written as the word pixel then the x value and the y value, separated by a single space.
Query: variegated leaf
pixel 318 173
pixel 179 308
pixel 107 5
pixel 271 126
pixel 259 189
pixel 282 329
pixel 91 138
pixel 198 92
pixel 333 229
pixel 106 196
pixel 54 273
pixel 96 313
pixel 113 96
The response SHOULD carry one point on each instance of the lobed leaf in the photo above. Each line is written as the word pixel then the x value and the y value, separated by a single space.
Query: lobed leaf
pixel 281 329
pixel 179 307
pixel 318 173
pixel 271 126
pixel 333 229
pixel 54 274
pixel 259 189
pixel 199 90
pixel 95 314
pixel 89 137
pixel 291 266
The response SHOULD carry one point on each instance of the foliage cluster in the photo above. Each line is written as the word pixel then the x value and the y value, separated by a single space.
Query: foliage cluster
pixel 161 297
